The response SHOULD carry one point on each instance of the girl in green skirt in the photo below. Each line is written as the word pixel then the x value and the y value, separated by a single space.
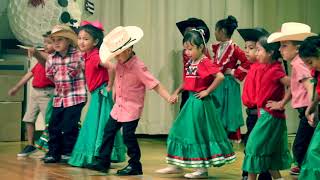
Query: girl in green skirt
pixel 197 138
pixel 309 52
pixel 99 79
pixel 267 146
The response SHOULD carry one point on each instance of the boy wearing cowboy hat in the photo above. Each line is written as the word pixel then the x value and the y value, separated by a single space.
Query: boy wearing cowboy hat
pixel 290 38
pixel 131 81
pixel 65 68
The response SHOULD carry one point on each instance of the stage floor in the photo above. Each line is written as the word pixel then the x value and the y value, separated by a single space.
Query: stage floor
pixel 153 158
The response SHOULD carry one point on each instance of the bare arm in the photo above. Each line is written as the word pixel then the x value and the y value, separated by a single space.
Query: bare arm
pixel 111 72
pixel 21 83
pixel 279 105
pixel 39 55
pixel 162 91
pixel 309 87
pixel 219 77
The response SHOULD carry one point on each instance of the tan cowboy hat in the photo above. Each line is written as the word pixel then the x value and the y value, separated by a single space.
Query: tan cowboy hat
pixel 291 31
pixel 118 40
pixel 66 32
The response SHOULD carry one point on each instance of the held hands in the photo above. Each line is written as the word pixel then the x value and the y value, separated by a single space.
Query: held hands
pixel 310 117
pixel 173 98
pixel 275 105
pixel 202 94
pixel 109 87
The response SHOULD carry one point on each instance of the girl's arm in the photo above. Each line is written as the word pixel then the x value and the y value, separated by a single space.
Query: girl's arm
pixel 279 105
pixel 219 77
pixel 111 72
pixel 309 87
pixel 21 83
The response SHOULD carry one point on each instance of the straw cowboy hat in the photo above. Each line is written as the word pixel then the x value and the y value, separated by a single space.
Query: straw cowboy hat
pixel 195 23
pixel 65 31
pixel 118 40
pixel 291 31
pixel 252 34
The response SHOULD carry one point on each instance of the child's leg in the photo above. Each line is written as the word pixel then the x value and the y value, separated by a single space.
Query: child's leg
pixel 30 133
pixel 170 169
pixel 252 176
pixel 70 127
pixel 275 174
pixel 55 133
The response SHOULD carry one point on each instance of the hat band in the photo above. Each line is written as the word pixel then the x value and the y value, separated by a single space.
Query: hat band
pixel 129 41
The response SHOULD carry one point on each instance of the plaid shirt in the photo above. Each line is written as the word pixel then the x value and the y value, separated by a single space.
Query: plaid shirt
pixel 68 76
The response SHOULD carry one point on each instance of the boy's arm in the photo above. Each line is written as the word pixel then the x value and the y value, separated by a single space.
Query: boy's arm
pixel 21 83
pixel 39 55
pixel 162 91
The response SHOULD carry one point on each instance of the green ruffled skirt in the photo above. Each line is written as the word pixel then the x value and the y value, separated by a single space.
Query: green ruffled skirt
pixel 197 138
pixel 267 146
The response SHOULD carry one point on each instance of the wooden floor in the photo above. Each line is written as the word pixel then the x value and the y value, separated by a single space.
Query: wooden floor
pixel 153 158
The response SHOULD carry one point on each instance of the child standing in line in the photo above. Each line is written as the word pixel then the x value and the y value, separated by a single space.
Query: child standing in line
pixel 290 38
pixel 197 138
pixel 227 56
pixel 267 146
pixel 309 52
pixel 185 26
pixel 99 79
pixel 251 36
pixel 131 81
pixel 65 67
pixel 40 96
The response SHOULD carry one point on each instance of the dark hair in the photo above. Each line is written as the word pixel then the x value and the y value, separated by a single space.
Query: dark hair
pixel 229 25
pixel 194 37
pixel 270 47
pixel 46 34
pixel 310 47
pixel 96 33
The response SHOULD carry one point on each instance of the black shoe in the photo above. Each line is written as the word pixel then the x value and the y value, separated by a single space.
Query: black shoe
pixel 129 170
pixel 29 149
pixel 50 159
pixel 99 166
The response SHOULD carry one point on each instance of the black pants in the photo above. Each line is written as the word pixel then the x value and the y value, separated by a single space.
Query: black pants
pixel 64 129
pixel 129 138
pixel 252 117
pixel 303 137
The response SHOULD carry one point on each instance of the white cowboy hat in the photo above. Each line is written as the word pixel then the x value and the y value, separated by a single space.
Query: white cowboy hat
pixel 118 40
pixel 65 31
pixel 291 31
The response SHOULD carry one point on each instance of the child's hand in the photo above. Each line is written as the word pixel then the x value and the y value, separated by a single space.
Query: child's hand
pixel 173 99
pixel 31 51
pixel 109 87
pixel 13 91
pixel 202 94
pixel 275 105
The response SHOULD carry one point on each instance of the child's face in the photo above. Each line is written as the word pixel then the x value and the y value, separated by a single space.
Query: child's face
pixel 48 45
pixel 313 62
pixel 288 50
pixel 250 50
pixel 124 55
pixel 193 51
pixel 60 44
pixel 261 54
pixel 85 41
pixel 218 34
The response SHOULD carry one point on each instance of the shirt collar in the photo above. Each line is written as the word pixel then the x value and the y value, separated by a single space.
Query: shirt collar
pixel 130 62
pixel 87 55
pixel 295 60
pixel 71 50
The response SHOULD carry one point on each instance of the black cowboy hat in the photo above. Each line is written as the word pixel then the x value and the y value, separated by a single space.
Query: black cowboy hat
pixel 194 22
pixel 253 34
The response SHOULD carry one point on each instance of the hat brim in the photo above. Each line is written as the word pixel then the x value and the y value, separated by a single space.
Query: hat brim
pixel 66 34
pixel 252 34
pixel 278 36
pixel 183 25
pixel 134 32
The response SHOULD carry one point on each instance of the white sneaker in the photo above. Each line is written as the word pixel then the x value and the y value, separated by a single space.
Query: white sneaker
pixel 196 175
pixel 170 170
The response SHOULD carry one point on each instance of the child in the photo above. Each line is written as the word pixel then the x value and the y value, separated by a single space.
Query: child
pixel 185 26
pixel 290 37
pixel 40 96
pixel 88 144
pixel 226 56
pixel 65 67
pixel 206 143
pixel 309 52
pixel 251 36
pixel 267 146
pixel 131 81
